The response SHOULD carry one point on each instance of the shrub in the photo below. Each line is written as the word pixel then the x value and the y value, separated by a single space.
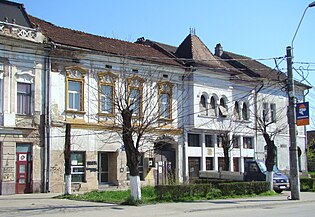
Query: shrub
pixel 179 192
pixel 214 193
pixel 307 184
pixel 209 191
pixel 243 188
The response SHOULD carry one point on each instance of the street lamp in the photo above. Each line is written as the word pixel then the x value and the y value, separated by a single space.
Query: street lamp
pixel 294 173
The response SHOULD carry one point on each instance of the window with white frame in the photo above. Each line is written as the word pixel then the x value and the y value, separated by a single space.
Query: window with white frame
pixel 209 140
pixel 219 141
pixel 265 112
pixel 236 141
pixel 193 140
pixel 24 98
pixel 236 111
pixel 106 93
pixel 78 166
pixel 140 168
pixel 107 99
pixel 135 85
pixel 223 111
pixel 273 115
pixel 74 95
pixel 203 105
pixel 248 142
pixel 165 97
pixel 245 112
pixel 213 106
pixel 75 89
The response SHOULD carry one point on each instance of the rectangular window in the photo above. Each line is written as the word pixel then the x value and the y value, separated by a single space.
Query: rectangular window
pixel 219 141
pixel 265 114
pixel 23 98
pixel 236 164
pixel 140 168
pixel 165 106
pixel 248 142
pixel 135 101
pixel 107 99
pixel 209 163
pixel 273 112
pixel 221 163
pixel 193 140
pixel 165 100
pixel 235 140
pixel 78 166
pixel 209 141
pixel 74 95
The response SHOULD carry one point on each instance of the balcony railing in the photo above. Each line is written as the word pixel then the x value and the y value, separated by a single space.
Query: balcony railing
pixel 17 31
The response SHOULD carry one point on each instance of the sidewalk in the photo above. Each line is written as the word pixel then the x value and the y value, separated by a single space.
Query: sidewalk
pixel 45 204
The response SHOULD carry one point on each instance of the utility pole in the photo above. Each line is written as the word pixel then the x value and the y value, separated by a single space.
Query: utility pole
pixel 67 155
pixel 294 173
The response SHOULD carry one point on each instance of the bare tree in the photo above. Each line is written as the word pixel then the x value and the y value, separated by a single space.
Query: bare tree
pixel 267 118
pixel 142 105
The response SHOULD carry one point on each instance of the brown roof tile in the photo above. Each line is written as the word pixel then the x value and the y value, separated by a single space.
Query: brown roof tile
pixel 80 39
pixel 255 69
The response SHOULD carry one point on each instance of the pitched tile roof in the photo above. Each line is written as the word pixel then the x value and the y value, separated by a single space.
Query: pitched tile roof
pixel 255 69
pixel 192 49
pixel 65 36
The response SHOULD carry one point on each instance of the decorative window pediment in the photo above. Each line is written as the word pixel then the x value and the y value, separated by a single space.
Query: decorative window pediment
pixel 75 89
pixel 106 92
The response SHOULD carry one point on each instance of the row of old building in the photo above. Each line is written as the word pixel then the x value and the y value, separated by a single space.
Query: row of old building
pixel 51 76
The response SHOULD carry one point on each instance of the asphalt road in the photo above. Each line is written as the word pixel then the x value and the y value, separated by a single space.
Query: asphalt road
pixel 45 205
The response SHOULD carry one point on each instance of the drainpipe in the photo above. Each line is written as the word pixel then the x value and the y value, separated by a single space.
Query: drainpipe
pixel 48 125
pixel 46 108
pixel 256 130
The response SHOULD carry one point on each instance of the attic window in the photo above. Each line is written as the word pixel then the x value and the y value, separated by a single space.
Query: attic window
pixel 135 71
pixel 108 66
pixel 165 75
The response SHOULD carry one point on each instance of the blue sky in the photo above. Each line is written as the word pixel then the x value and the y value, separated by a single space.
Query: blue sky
pixel 257 29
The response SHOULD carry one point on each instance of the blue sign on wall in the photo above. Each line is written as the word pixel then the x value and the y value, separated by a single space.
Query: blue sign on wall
pixel 302 114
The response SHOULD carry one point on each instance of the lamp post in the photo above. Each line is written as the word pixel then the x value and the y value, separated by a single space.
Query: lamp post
pixel 294 173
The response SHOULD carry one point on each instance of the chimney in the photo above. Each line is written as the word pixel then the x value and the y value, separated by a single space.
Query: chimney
pixel 218 50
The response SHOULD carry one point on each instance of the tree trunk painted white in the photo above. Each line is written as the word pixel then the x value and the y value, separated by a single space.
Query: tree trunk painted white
pixel 135 187
pixel 269 179
pixel 68 185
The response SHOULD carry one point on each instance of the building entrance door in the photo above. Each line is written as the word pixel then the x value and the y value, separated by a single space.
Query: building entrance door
pixel 103 169
pixel 23 168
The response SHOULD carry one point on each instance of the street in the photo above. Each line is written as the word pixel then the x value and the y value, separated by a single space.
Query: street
pixel 45 205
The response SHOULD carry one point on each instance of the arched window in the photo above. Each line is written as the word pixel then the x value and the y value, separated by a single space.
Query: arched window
pixel 213 106
pixel 203 105
pixel 245 113
pixel 223 112
pixel 236 111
